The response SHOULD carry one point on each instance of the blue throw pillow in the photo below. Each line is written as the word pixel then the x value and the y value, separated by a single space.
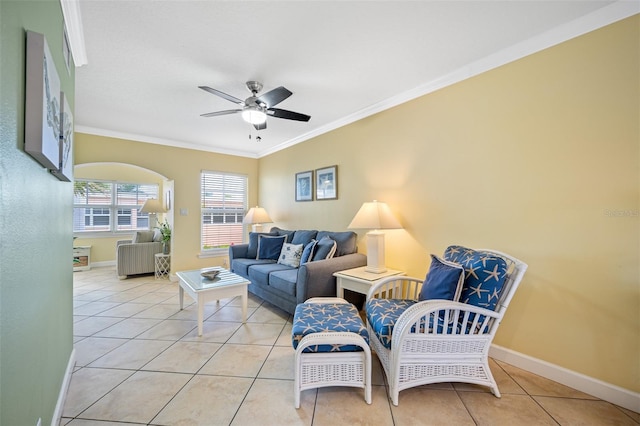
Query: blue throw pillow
pixel 290 234
pixel 252 250
pixel 307 253
pixel 325 249
pixel 269 247
pixel 485 276
pixel 444 280
pixel 304 236
pixel 346 242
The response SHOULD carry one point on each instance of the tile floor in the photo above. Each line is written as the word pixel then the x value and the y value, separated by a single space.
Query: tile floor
pixel 140 361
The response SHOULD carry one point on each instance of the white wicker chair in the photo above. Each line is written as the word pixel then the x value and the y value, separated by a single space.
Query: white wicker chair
pixel 421 355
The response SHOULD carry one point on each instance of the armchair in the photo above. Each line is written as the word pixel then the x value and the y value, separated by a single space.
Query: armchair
pixel 137 256
pixel 432 341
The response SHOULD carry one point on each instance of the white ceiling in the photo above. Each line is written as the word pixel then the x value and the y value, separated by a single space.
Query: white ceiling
pixel 342 60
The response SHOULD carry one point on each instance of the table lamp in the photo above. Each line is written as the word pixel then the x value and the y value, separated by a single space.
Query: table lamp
pixel 376 216
pixel 152 206
pixel 256 217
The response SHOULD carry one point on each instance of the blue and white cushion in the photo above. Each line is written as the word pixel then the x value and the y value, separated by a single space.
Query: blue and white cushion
pixel 290 255
pixel 383 314
pixel 327 317
pixel 485 276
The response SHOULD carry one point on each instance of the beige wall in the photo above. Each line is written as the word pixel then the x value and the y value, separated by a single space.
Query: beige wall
pixel 538 158
pixel 183 166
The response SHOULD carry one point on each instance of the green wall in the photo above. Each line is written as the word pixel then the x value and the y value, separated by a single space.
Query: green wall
pixel 36 244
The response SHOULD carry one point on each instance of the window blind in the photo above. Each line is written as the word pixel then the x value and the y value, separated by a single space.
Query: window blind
pixel 223 206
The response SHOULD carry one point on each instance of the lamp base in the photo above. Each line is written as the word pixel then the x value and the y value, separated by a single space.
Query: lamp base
pixel 153 220
pixel 375 252
pixel 375 270
pixel 256 227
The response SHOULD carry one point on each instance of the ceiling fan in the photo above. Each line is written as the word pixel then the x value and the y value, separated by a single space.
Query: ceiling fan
pixel 255 109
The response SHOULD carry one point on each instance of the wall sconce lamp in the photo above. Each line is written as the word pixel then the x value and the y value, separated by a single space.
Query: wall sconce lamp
pixel 256 217
pixel 375 216
pixel 152 207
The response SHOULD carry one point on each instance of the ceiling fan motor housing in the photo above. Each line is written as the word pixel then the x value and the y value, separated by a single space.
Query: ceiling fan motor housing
pixel 254 86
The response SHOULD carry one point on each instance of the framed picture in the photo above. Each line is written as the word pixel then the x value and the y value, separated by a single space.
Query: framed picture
pixel 42 104
pixel 64 171
pixel 304 186
pixel 327 183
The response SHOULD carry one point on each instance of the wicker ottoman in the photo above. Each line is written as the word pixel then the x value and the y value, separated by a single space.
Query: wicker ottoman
pixel 332 346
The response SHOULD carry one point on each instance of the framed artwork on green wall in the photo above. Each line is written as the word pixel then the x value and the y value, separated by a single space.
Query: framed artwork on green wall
pixel 64 171
pixel 42 103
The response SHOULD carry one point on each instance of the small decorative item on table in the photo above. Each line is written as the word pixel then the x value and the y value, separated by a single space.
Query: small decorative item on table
pixel 210 275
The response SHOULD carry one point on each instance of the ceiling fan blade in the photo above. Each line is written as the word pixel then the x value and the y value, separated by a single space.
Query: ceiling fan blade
pixel 260 126
pixel 274 97
pixel 222 95
pixel 289 115
pixel 225 112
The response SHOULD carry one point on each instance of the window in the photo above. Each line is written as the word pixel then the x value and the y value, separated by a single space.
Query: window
pixel 104 206
pixel 223 206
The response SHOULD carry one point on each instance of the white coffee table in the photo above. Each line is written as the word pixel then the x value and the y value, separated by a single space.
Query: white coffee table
pixel 226 284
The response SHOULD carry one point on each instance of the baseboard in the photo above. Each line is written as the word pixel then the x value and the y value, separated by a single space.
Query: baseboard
pixel 605 391
pixel 62 396
pixel 103 264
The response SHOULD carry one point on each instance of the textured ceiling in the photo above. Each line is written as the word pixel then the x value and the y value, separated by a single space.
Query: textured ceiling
pixel 341 59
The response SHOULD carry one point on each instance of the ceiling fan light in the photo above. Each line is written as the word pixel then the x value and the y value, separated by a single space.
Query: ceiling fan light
pixel 254 115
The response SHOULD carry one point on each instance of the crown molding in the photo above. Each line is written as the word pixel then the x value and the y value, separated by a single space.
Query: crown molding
pixel 159 141
pixel 73 24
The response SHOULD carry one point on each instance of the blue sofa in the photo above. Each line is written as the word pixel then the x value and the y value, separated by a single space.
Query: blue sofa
pixel 285 286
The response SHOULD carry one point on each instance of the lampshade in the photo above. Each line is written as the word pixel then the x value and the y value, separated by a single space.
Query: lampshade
pixel 374 215
pixel 256 216
pixel 152 206
pixel 254 115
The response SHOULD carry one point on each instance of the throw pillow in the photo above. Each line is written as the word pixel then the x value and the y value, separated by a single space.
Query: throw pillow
pixel 485 276
pixel 346 242
pixel 304 236
pixel 269 247
pixel 307 253
pixel 143 237
pixel 252 250
pixel 325 249
pixel 157 235
pixel 290 234
pixel 290 255
pixel 443 281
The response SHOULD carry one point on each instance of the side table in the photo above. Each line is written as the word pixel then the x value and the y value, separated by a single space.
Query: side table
pixel 358 280
pixel 163 265
pixel 82 258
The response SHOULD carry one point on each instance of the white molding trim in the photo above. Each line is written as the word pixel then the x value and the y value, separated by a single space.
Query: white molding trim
pixel 102 264
pixel 62 396
pixel 603 390
pixel 159 141
pixel 607 15
pixel 73 23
